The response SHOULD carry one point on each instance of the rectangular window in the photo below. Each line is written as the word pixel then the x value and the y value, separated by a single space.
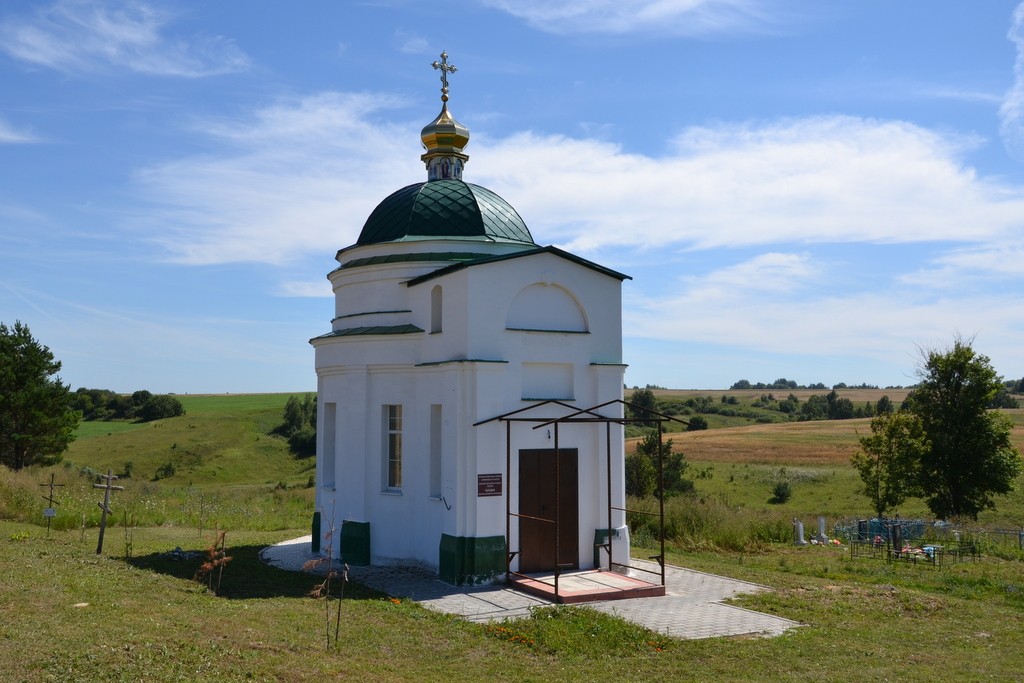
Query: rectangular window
pixel 435 309
pixel 393 446
pixel 548 380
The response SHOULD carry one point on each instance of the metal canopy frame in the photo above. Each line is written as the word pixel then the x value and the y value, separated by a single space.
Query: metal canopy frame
pixel 582 416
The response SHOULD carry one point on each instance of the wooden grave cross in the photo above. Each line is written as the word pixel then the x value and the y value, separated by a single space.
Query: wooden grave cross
pixel 51 511
pixel 105 505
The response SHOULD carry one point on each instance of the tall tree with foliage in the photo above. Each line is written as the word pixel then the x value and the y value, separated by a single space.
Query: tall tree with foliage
pixel 890 458
pixel 970 458
pixel 642 405
pixel 299 424
pixel 674 467
pixel 36 419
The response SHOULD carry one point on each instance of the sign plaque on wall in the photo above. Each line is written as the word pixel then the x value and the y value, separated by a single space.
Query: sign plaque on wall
pixel 488 485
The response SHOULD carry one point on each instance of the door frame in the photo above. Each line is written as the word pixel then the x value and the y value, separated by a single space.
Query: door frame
pixel 548 481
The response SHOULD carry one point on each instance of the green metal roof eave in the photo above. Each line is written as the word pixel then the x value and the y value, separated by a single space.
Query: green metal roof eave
pixel 374 330
pixel 434 363
pixel 439 256
pixel 518 254
pixel 484 239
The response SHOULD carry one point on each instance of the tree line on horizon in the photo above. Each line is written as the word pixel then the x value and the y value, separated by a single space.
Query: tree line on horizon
pixel 1012 386
pixel 944 443
pixel 142 405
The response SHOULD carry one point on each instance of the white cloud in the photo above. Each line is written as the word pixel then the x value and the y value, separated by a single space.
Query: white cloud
pixel 812 180
pixel 957 268
pixel 301 177
pixel 298 179
pixel 411 44
pixel 87 36
pixel 306 288
pixel 773 272
pixel 1001 258
pixel 11 135
pixel 1011 113
pixel 953 93
pixel 879 324
pixel 294 179
pixel 676 17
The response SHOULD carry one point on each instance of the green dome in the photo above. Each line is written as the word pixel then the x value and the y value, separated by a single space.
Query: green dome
pixel 444 208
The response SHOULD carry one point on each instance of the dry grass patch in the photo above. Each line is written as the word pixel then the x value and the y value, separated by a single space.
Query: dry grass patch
pixel 801 443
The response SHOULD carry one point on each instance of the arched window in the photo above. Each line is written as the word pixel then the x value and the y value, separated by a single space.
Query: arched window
pixel 546 307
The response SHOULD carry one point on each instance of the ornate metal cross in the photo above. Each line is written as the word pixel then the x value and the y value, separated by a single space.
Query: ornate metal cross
pixel 446 69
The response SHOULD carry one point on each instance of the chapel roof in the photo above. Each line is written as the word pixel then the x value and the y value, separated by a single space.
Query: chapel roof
pixel 444 206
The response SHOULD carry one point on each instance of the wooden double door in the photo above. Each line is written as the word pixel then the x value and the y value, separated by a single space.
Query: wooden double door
pixel 537 494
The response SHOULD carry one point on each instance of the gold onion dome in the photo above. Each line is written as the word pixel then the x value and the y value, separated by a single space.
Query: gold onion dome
pixel 444 134
pixel 445 206
pixel 444 137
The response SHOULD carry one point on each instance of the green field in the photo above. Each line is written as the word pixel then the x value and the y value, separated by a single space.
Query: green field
pixel 135 613
pixel 230 470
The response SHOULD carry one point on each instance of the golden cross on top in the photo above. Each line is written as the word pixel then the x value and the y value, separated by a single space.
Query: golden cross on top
pixel 446 69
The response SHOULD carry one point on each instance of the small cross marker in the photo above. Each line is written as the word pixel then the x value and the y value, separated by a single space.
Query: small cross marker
pixel 105 505
pixel 51 510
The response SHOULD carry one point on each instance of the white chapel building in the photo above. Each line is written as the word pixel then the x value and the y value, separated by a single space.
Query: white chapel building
pixel 456 341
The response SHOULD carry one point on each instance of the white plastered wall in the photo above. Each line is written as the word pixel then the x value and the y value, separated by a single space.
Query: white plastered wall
pixel 473 368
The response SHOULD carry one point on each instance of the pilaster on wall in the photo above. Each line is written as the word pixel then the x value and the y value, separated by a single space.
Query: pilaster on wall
pixel 608 381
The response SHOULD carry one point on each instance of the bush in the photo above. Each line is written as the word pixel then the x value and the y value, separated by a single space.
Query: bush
pixel 164 471
pixel 299 425
pixel 697 423
pixel 104 404
pixel 160 407
pixel 781 493
pixel 303 442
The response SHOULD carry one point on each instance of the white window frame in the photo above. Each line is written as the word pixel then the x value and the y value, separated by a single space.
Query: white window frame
pixel 391 447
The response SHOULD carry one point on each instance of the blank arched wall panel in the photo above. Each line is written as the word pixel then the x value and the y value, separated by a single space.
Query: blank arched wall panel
pixel 546 307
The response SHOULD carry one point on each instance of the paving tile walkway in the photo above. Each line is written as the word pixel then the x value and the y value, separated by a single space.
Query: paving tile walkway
pixel 691 608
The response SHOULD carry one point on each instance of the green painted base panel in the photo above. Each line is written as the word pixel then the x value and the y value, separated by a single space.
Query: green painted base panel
pixel 355 543
pixel 315 533
pixel 600 538
pixel 470 561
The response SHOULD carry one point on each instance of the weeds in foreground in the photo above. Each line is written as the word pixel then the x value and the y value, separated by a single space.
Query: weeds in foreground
pixel 129 524
pixel 216 559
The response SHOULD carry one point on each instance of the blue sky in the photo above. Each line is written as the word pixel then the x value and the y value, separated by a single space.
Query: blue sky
pixel 814 191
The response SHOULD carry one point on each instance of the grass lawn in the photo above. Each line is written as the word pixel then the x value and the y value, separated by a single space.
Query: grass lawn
pixel 69 615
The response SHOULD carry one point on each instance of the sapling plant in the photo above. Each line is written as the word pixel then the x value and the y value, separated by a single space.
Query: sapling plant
pixel 324 589
pixel 216 559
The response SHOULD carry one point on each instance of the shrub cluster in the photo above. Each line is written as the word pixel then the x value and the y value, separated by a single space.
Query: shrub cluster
pixel 642 469
pixel 144 406
pixel 299 425
pixel 705 523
